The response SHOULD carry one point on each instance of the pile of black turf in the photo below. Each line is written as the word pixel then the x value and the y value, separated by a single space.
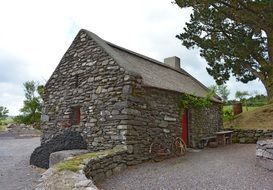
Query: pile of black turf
pixel 68 140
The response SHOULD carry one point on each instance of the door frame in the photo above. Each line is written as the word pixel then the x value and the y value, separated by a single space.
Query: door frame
pixel 185 126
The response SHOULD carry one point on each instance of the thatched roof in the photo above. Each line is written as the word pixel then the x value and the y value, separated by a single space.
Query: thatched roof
pixel 154 73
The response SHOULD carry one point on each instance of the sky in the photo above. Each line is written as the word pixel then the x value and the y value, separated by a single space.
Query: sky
pixel 35 34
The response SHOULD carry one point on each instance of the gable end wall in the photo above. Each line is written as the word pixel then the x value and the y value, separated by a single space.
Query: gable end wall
pixel 100 94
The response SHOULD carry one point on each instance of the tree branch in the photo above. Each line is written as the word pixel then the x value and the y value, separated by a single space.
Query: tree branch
pixel 253 71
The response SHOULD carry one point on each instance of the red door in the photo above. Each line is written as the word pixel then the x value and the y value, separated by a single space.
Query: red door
pixel 184 126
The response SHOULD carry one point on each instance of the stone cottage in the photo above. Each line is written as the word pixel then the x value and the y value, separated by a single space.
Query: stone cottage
pixel 114 96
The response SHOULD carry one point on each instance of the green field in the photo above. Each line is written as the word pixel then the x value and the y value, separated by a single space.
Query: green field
pixel 245 108
pixel 2 128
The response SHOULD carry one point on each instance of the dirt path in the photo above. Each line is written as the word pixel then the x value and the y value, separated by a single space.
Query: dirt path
pixel 222 168
pixel 15 171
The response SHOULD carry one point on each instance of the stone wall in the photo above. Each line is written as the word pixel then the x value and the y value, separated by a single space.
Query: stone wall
pixel 204 122
pixel 99 168
pixel 89 79
pixel 155 115
pixel 249 135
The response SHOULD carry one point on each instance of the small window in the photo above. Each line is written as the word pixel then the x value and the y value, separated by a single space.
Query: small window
pixel 76 116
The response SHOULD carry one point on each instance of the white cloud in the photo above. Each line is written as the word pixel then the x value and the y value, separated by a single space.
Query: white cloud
pixel 37 33
pixel 11 96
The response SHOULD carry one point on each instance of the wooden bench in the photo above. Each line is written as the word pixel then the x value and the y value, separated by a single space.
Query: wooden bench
pixel 207 140
pixel 228 140
pixel 224 137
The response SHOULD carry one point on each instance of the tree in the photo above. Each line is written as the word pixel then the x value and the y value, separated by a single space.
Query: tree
pixel 3 112
pixel 234 36
pixel 241 95
pixel 32 104
pixel 221 90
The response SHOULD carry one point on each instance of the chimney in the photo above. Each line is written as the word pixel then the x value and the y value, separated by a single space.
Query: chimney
pixel 174 62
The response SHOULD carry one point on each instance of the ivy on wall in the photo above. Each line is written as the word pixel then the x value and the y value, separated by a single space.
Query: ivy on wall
pixel 188 100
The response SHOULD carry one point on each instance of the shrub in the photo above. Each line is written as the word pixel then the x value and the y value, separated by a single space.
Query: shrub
pixel 228 115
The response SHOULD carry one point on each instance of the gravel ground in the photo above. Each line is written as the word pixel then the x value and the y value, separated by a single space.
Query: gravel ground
pixel 15 171
pixel 229 167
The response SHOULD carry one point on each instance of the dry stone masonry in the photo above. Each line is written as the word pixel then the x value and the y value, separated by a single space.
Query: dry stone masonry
pixel 106 165
pixel 91 80
pixel 204 123
pixel 245 136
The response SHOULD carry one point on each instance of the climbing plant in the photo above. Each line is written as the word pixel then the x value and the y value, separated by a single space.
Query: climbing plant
pixel 189 100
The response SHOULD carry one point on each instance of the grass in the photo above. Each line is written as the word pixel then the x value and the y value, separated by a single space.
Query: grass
pixel 6 121
pixel 254 118
pixel 74 164
pixel 2 128
pixel 245 108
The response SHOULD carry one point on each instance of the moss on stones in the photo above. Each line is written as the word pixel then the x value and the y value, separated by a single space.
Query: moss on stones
pixel 76 163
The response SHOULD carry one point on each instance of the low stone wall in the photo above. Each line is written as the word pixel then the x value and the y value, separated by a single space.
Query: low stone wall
pixel 79 172
pixel 245 136
pixel 57 157
pixel 114 161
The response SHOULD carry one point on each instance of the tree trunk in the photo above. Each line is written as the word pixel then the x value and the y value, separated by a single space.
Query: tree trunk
pixel 270 94
pixel 268 83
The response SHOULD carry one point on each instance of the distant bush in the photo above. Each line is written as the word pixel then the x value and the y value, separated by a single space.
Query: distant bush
pixel 258 100
pixel 28 119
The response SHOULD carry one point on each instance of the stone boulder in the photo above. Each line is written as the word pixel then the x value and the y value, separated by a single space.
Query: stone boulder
pixel 264 154
pixel 68 140
pixel 11 125
pixel 64 180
